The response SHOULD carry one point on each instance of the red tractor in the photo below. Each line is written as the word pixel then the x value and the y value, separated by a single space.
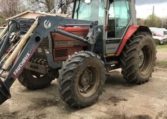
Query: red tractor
pixel 101 36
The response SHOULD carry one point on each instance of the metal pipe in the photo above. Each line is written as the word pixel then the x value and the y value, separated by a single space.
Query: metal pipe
pixel 4 74
pixel 4 45
pixel 19 47
pixel 2 39
pixel 3 32
pixel 7 55
pixel 70 25
pixel 72 36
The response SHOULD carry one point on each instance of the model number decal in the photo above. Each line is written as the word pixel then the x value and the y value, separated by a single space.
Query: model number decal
pixel 19 68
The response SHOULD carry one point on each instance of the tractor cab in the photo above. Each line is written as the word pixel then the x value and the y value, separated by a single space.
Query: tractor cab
pixel 91 10
pixel 115 17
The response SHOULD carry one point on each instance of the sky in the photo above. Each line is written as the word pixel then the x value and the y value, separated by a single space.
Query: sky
pixel 145 7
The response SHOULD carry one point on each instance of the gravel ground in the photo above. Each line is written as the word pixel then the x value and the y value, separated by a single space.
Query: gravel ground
pixel 119 101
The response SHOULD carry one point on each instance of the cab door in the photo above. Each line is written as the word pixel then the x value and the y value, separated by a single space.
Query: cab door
pixel 119 18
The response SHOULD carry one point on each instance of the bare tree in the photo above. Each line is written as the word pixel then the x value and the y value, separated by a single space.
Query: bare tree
pixel 65 5
pixel 43 4
pixel 9 7
pixel 153 21
pixel 51 5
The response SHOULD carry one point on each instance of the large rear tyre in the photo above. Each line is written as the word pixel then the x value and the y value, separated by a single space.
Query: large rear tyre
pixel 138 59
pixel 33 80
pixel 81 79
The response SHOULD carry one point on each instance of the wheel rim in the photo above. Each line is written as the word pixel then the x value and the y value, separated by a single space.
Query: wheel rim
pixel 141 58
pixel 88 82
pixel 145 57
pixel 37 75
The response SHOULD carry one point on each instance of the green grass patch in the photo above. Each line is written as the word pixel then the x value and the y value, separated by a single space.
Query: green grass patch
pixel 162 64
pixel 162 48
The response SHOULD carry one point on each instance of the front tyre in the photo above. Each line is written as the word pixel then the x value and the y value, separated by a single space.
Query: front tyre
pixel 33 80
pixel 138 59
pixel 81 79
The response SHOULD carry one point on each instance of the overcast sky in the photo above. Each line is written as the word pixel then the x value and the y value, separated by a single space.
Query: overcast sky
pixel 145 8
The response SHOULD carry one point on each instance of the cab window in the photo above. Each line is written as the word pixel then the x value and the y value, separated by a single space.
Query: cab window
pixel 119 18
pixel 93 11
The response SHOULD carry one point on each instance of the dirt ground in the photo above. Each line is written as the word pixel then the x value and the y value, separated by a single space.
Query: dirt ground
pixel 119 100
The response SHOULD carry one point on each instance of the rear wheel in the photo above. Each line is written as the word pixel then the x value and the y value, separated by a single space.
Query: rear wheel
pixel 81 79
pixel 138 59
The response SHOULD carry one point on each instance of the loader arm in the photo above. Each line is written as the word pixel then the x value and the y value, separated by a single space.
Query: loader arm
pixel 40 30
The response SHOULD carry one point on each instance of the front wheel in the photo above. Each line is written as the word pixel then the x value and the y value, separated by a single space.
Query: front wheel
pixel 33 80
pixel 81 79
pixel 138 58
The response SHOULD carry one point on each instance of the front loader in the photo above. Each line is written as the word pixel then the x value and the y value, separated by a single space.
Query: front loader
pixel 102 35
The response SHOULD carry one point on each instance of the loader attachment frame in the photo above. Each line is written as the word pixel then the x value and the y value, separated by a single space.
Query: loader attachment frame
pixel 39 31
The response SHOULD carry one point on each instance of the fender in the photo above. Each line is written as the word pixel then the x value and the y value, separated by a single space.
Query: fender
pixel 129 33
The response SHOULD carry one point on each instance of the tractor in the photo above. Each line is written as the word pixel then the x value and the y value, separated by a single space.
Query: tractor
pixel 101 36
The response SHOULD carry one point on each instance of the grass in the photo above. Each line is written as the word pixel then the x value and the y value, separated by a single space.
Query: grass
pixel 162 48
pixel 162 64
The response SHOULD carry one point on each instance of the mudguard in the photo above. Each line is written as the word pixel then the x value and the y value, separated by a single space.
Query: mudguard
pixel 130 32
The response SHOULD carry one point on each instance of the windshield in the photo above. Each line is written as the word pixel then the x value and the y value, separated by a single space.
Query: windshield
pixel 93 11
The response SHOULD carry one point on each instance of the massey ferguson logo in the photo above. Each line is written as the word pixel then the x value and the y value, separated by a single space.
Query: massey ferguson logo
pixel 47 24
